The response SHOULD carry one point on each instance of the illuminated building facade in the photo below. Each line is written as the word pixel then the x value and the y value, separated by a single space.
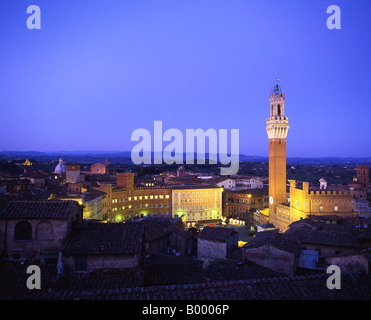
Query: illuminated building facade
pixel 201 204
pixel 126 201
pixel 306 201
pixel 72 173
pixel 242 204
pixel 362 179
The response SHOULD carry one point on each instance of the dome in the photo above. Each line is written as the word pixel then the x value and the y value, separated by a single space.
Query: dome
pixel 60 168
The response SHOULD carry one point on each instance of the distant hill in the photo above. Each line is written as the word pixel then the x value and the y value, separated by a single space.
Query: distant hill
pixel 125 157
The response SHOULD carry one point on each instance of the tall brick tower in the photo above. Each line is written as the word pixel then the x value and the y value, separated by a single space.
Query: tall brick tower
pixel 277 128
pixel 363 176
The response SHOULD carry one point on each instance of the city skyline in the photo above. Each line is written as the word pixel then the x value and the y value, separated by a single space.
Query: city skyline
pixel 95 73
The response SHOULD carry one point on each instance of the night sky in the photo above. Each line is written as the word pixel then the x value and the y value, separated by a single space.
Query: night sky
pixel 98 70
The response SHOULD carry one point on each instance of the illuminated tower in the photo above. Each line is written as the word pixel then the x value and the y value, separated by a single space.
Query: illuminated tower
pixel 277 128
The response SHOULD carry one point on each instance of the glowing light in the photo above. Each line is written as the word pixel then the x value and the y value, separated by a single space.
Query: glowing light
pixel 241 243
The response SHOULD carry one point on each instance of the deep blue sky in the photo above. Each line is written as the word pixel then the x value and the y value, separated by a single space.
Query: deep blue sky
pixel 97 70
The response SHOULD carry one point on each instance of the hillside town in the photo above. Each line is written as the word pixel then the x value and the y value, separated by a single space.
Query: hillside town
pixel 100 234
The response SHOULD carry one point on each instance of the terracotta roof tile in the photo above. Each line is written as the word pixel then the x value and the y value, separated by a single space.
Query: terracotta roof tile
pixel 52 209
pixel 94 238
pixel 215 233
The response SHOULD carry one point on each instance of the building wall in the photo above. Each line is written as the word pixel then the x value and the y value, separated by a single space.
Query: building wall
pixel 98 169
pixel 251 183
pixel 72 173
pixel 122 204
pixel 238 205
pixel 180 245
pixel 305 202
pixel 159 246
pixel 227 184
pixel 329 251
pixel 271 258
pixel 363 175
pixel 93 209
pixel 261 217
pixel 211 249
pixel 125 180
pixel 197 204
pixel 46 234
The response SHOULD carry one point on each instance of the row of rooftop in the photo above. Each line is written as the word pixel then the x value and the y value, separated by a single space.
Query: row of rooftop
pixel 157 258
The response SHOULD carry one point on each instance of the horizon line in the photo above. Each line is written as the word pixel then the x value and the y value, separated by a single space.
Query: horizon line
pixel 82 152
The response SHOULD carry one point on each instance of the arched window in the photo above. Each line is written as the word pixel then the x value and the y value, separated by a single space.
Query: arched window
pixel 23 231
pixel 44 231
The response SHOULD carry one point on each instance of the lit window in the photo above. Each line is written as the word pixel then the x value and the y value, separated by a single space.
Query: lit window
pixel 336 208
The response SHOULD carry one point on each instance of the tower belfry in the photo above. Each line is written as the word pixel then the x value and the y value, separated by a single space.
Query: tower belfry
pixel 277 127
